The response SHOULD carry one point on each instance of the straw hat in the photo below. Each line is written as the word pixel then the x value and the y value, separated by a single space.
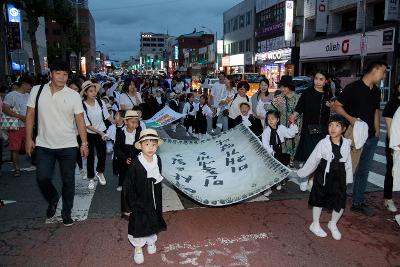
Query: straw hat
pixel 148 134
pixel 86 85
pixel 172 95
pixel 131 114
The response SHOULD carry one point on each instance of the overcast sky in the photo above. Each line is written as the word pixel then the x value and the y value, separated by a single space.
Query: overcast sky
pixel 119 22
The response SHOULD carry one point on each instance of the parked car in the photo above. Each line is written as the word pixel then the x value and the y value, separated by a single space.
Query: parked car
pixel 302 83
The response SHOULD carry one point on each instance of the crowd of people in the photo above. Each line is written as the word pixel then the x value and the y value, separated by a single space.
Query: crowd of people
pixel 330 137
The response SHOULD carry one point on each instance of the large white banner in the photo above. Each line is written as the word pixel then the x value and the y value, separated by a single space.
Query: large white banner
pixel 379 41
pixel 321 20
pixel 163 117
pixel 223 170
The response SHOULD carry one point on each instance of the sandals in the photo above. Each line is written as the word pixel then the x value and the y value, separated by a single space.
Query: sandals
pixel 17 173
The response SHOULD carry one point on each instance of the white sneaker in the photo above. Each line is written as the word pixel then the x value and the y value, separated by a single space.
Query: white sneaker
pixel 278 187
pixel 389 204
pixel 91 184
pixel 212 131
pixel 334 231
pixel 303 186
pixel 82 173
pixel 119 188
pixel 267 193
pixel 317 230
pixel 397 218
pixel 138 257
pixel 102 179
pixel 187 134
pixel 151 249
pixel 29 169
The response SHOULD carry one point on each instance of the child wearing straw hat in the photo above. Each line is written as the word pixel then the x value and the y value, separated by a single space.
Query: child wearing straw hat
pixel 143 195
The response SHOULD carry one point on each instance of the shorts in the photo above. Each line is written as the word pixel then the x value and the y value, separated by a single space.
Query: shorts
pixel 16 139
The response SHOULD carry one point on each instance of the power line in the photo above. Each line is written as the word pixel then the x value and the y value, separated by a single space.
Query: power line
pixel 137 5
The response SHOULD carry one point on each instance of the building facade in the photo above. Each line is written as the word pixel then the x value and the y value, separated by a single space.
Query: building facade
pixel 333 38
pixel 239 41
pixel 153 49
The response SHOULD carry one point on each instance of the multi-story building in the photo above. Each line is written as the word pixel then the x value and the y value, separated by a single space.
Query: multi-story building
pixel 278 27
pixel 57 44
pixel 239 42
pixel 333 37
pixel 153 49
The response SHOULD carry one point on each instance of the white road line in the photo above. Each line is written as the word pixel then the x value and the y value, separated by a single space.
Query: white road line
pixel 82 201
pixel 381 144
pixel 383 131
pixel 380 158
pixel 376 179
pixel 170 199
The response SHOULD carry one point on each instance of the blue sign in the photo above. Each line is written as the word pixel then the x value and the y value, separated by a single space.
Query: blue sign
pixel 14 15
pixel 176 52
pixel 16 66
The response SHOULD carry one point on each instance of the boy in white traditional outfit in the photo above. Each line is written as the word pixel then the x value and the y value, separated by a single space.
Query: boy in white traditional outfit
pixel 143 195
pixel 331 162
pixel 395 145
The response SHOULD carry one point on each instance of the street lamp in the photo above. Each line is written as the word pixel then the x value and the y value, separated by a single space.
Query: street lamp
pixel 215 46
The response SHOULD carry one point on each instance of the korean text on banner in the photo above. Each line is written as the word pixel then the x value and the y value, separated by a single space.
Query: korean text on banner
pixel 223 170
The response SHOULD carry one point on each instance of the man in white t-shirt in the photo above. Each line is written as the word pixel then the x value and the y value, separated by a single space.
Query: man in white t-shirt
pixel 14 105
pixel 57 108
pixel 217 91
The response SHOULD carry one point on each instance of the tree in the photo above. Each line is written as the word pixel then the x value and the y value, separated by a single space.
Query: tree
pixel 34 9
pixel 3 48
pixel 76 44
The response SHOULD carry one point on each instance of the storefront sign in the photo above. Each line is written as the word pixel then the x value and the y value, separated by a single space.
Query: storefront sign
pixel 272 56
pixel 270 29
pixel 176 52
pixel 226 61
pixel 273 44
pixel 391 9
pixel 248 59
pixel 289 20
pixel 321 21
pixel 14 15
pixel 380 41
pixel 220 46
pixel 237 60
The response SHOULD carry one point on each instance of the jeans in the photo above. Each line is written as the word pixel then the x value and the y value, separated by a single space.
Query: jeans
pixel 95 141
pixel 388 186
pixel 361 173
pixel 46 160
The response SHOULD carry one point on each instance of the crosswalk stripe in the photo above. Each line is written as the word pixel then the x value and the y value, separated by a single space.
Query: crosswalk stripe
pixel 381 144
pixel 376 179
pixel 380 158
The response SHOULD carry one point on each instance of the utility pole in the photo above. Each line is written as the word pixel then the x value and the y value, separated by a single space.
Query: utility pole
pixel 363 36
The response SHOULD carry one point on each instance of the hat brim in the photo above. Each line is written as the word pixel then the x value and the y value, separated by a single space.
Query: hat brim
pixel 96 85
pixel 132 117
pixel 138 146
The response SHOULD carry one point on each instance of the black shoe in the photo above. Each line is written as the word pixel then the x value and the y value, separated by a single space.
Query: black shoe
pixel 363 209
pixel 51 210
pixel 67 220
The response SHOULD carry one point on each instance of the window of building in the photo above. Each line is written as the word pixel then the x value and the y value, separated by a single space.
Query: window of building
pixel 224 28
pixel 153 45
pixel 379 14
pixel 146 39
pixel 154 50
pixel 271 15
pixel 248 18
pixel 241 46
pixel 146 44
pixel 160 39
pixel 248 45
pixel 160 45
pixel 349 20
pixel 241 21
pixel 235 23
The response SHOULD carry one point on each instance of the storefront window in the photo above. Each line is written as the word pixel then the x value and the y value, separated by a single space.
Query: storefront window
pixel 271 15
pixel 349 20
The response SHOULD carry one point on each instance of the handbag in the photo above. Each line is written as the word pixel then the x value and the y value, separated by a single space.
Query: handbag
pixel 8 122
pixel 314 129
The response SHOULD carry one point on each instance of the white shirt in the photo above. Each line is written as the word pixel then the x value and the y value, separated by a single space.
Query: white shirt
pixel 225 94
pixel 96 116
pixel 17 102
pixel 234 109
pixel 178 88
pixel 217 91
pixel 129 101
pixel 186 109
pixel 129 137
pixel 283 133
pixel 56 116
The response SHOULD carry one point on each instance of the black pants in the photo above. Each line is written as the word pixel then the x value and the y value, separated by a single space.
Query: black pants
pixel 46 161
pixel 388 186
pixel 214 122
pixel 95 141
pixel 78 155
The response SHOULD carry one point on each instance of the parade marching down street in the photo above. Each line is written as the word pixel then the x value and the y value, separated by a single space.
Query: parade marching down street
pixel 277 145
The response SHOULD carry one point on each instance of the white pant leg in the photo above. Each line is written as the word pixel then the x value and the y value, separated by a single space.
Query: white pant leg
pixel 141 241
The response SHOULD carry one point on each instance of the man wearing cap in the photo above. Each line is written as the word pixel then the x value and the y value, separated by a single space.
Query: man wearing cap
pixel 54 108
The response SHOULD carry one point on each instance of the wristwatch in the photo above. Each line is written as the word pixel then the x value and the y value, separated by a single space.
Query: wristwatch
pixel 86 144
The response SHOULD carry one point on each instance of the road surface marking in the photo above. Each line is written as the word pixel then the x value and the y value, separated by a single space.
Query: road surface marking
pixel 380 158
pixel 170 199
pixel 376 179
